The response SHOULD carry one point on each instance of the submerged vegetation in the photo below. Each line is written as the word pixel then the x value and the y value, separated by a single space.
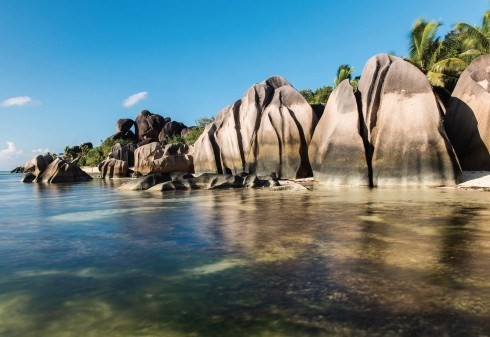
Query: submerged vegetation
pixel 441 59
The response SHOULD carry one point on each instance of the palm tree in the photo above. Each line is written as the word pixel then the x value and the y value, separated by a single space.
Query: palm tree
pixel 434 57
pixel 343 72
pixel 476 40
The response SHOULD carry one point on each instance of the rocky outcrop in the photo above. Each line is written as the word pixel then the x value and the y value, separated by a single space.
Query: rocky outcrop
pixel 145 182
pixel 370 87
pixel 408 144
pixel 113 168
pixel 171 129
pixel 38 164
pixel 467 119
pixel 267 131
pixel 124 153
pixel 18 169
pixel 148 125
pixel 211 181
pixel 187 130
pixel 156 158
pixel 389 133
pixel 61 171
pixel 28 177
pixel 337 151
pixel 124 125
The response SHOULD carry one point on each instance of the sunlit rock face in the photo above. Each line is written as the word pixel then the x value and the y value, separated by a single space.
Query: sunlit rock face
pixel 61 171
pixel 113 168
pixel 38 164
pixel 337 152
pixel 408 144
pixel 267 131
pixel 148 125
pixel 468 116
pixel 389 133
pixel 156 158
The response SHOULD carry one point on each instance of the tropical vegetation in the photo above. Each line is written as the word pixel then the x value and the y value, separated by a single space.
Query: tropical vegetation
pixel 441 59
pixel 93 157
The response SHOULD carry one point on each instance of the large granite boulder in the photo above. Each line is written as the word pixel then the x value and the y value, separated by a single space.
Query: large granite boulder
pixel 337 151
pixel 87 145
pixel 113 168
pixel 267 131
pixel 61 171
pixel 148 125
pixel 38 164
pixel 123 152
pixel 370 87
pixel 467 119
pixel 124 125
pixel 156 158
pixel 407 143
pixel 171 129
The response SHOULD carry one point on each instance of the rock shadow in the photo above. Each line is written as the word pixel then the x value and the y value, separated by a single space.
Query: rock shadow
pixel 462 130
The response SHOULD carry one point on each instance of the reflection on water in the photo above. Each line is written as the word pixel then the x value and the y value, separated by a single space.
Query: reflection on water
pixel 86 260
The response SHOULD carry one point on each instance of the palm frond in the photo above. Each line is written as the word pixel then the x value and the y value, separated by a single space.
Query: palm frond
pixel 473 38
pixel 450 65
pixel 485 27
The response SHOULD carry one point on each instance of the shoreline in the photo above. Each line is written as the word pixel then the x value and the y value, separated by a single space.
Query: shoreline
pixel 470 180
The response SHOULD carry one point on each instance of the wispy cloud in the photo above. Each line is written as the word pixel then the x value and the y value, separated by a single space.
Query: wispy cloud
pixel 18 101
pixel 10 152
pixel 40 151
pixel 133 99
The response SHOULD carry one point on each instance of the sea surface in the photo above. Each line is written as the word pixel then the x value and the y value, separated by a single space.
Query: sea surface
pixel 88 260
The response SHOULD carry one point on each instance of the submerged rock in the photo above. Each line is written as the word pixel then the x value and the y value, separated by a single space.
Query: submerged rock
pixel 210 181
pixel 267 131
pixel 61 171
pixel 467 119
pixel 145 182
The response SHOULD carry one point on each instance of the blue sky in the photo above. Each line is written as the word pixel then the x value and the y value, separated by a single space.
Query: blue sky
pixel 66 67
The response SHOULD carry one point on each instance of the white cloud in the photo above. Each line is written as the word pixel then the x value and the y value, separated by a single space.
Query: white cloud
pixel 133 99
pixel 19 101
pixel 40 151
pixel 10 152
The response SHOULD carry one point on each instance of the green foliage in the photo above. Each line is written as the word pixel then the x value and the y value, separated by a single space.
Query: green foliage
pixel 93 157
pixel 319 96
pixel 203 122
pixel 344 72
pixel 174 139
pixel 191 137
pixel 476 40
pixel 307 94
pixel 444 60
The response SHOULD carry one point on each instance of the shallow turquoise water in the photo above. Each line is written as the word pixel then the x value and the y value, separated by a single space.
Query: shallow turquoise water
pixel 87 260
